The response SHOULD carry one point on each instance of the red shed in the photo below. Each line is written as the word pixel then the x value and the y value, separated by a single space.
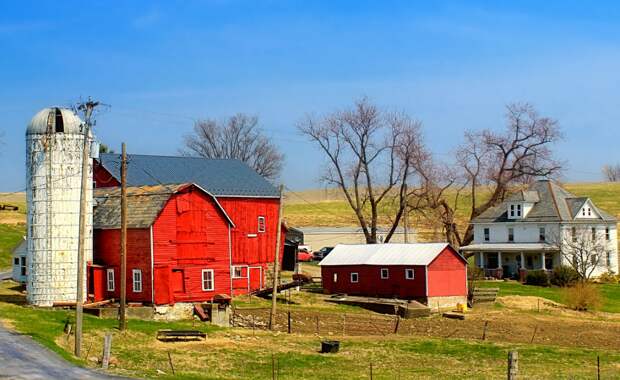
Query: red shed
pixel 178 245
pixel 248 199
pixel 434 273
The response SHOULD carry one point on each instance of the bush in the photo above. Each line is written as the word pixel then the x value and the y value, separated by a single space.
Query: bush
pixel 537 277
pixel 582 296
pixel 564 276
pixel 608 278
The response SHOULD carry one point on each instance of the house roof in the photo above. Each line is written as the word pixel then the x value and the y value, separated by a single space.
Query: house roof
pixel 553 204
pixel 144 204
pixel 220 177
pixel 384 254
pixel 510 247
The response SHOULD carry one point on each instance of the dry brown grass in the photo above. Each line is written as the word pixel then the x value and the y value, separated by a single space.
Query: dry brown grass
pixel 582 296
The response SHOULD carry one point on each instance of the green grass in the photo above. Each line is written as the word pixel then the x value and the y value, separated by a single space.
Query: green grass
pixel 10 236
pixel 610 292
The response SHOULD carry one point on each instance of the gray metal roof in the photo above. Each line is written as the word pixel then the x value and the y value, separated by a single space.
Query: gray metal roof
pixel 220 177
pixel 144 204
pixel 384 254
pixel 554 204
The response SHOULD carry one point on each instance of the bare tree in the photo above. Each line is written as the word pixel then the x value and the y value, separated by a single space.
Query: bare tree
pixel 499 161
pixel 370 154
pixel 237 137
pixel 583 250
pixel 611 173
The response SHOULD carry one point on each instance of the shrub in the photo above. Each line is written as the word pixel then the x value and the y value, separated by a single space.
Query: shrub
pixel 537 277
pixel 608 278
pixel 564 276
pixel 582 296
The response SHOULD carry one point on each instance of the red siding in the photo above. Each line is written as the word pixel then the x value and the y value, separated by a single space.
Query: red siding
pixel 371 284
pixel 447 275
pixel 102 177
pixel 107 250
pixel 249 246
pixel 190 235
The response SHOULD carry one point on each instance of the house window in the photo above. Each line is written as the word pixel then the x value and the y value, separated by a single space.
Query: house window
pixel 511 234
pixel 409 274
pixel 261 224
pixel 541 234
pixel 583 212
pixel 335 277
pixel 487 234
pixel 385 273
pixel 16 261
pixel 110 278
pixel 22 267
pixel 607 233
pixel 608 259
pixel 207 280
pixel 355 277
pixel 137 280
pixel 573 232
pixel 589 211
pixel 594 260
pixel 519 211
pixel 593 233
pixel 512 211
pixel 237 272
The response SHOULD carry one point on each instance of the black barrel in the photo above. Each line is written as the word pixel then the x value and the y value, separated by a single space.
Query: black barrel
pixel 330 346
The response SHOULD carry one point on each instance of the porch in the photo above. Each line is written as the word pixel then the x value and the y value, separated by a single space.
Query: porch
pixel 513 260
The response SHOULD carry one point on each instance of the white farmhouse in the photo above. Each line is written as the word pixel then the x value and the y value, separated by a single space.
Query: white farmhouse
pixel 540 228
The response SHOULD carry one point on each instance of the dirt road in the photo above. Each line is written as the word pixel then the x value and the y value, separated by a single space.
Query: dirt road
pixel 23 358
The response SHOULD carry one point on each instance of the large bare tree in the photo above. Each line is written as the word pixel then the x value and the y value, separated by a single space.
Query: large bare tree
pixel 611 173
pixel 238 137
pixel 583 250
pixel 494 160
pixel 370 154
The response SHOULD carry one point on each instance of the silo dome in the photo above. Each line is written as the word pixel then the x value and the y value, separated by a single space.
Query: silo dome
pixel 55 120
pixel 55 140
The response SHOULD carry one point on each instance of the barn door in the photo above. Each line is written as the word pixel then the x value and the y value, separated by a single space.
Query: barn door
pixel 256 278
pixel 162 285
pixel 177 281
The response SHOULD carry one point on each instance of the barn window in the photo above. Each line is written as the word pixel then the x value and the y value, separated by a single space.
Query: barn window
pixel 261 224
pixel 110 278
pixel 335 277
pixel 207 280
pixel 237 272
pixel 385 273
pixel 22 267
pixel 355 277
pixel 137 280
pixel 409 274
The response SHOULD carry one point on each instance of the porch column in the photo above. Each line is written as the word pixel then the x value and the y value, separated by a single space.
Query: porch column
pixel 482 260
pixel 522 264
pixel 542 258
pixel 499 260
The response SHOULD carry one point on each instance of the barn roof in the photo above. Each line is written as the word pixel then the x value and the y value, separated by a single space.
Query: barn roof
pixel 144 204
pixel 384 254
pixel 220 177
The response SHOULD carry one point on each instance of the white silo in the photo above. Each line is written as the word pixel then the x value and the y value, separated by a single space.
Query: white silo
pixel 54 145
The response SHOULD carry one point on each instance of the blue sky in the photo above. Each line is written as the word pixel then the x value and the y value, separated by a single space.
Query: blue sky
pixel 454 65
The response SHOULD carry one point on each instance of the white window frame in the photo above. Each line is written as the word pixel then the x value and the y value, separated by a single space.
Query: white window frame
pixel 512 211
pixel 23 268
pixel 335 278
pixel 203 280
pixel 518 210
pixel 136 282
pixel 486 233
pixel 262 226
pixel 407 272
pixel 357 277
pixel 387 273
pixel 511 234
pixel 110 280
pixel 607 234
pixel 542 234
pixel 608 259
pixel 240 268
pixel 573 232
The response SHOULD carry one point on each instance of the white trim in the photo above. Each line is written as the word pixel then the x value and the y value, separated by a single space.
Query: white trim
pixel 357 277
pixel 426 278
pixel 202 278
pixel 230 263
pixel 108 279
pixel 235 267
pixel 387 273
pixel 135 272
pixel 407 271
pixel 152 269
pixel 258 224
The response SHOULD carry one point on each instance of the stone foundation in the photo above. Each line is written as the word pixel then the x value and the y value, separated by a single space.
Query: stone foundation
pixel 178 311
pixel 444 303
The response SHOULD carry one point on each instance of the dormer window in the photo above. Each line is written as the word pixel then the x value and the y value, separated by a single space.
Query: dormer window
pixel 515 210
pixel 512 211
pixel 518 210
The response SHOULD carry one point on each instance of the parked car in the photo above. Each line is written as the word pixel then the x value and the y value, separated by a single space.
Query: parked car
pixel 321 253
pixel 303 255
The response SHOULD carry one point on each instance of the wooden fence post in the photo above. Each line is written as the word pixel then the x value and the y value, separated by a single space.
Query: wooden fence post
pixel 484 332
pixel 370 370
pixel 513 365
pixel 170 362
pixel 289 322
pixel 534 334
pixel 598 367
pixel 344 324
pixel 397 323
pixel 273 367
pixel 107 347
pixel 317 325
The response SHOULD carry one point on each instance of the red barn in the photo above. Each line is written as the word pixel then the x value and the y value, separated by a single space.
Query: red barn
pixel 244 199
pixel 434 273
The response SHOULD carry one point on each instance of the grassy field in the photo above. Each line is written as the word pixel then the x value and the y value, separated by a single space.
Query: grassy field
pixel 244 354
pixel 609 292
pixel 10 236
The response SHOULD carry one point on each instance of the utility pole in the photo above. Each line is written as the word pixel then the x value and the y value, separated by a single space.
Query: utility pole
pixel 276 262
pixel 87 108
pixel 406 218
pixel 123 321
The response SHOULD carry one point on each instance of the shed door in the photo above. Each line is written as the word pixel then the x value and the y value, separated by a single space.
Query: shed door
pixel 162 285
pixel 177 281
pixel 256 280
